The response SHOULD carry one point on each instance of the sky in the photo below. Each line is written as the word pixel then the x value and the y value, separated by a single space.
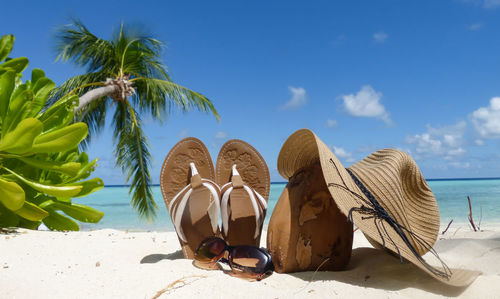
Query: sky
pixel 420 76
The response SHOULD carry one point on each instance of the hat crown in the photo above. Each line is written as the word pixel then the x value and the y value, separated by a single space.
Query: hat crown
pixel 396 182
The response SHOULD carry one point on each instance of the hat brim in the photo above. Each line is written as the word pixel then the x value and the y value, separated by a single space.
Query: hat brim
pixel 304 148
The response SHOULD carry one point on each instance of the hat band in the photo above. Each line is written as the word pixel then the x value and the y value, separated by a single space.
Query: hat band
pixel 375 211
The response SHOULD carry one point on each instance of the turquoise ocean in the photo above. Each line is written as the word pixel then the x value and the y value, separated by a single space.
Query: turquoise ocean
pixel 451 195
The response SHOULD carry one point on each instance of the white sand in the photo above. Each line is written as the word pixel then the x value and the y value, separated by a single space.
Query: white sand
pixel 117 264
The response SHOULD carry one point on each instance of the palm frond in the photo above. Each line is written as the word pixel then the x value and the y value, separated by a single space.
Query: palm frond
pixel 152 95
pixel 76 43
pixel 138 53
pixel 133 156
pixel 142 59
pixel 95 117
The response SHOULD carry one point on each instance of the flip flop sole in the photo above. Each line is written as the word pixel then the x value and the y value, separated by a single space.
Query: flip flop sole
pixel 307 231
pixel 174 176
pixel 255 174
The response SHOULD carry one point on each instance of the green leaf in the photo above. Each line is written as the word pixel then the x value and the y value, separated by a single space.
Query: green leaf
pixel 36 74
pixel 64 199
pixel 42 200
pixel 7 83
pixel 83 158
pixel 31 212
pixel 84 172
pixel 69 168
pixel 57 191
pixel 56 221
pixel 17 108
pixel 8 218
pixel 29 224
pixel 58 115
pixel 60 139
pixel 20 140
pixel 71 155
pixel 67 102
pixel 80 212
pixel 88 187
pixel 17 64
pixel 6 45
pixel 18 89
pixel 42 88
pixel 11 195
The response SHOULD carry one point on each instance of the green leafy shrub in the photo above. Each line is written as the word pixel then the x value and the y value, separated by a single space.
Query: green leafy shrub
pixel 41 167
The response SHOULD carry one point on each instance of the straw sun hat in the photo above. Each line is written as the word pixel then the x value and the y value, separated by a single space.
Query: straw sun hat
pixel 385 195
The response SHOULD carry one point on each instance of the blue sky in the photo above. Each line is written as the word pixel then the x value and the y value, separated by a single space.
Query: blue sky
pixel 421 76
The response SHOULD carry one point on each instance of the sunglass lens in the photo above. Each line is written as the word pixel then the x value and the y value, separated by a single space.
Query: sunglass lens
pixel 210 250
pixel 251 260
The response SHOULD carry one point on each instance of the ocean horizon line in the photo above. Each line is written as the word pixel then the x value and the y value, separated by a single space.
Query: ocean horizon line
pixel 431 180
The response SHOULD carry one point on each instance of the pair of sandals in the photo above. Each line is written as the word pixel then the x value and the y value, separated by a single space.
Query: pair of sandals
pixel 195 194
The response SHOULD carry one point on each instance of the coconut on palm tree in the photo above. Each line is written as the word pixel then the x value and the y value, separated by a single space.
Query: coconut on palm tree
pixel 125 71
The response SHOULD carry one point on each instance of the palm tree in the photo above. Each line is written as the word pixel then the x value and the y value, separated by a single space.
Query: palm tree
pixel 125 74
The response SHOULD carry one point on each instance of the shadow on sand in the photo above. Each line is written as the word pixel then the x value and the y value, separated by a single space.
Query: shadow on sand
pixel 156 257
pixel 369 267
pixel 9 231
pixel 374 268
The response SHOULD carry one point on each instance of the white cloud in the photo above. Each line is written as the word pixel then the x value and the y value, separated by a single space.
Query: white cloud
pixel 445 141
pixel 220 135
pixel 479 142
pixel 460 165
pixel 452 165
pixel 456 152
pixel 343 154
pixel 486 120
pixel 366 103
pixel 380 37
pixel 475 27
pixel 425 144
pixel 331 123
pixel 451 140
pixel 298 99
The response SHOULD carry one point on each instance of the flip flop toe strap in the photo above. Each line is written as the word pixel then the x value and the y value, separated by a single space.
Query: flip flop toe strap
pixel 259 204
pixel 178 203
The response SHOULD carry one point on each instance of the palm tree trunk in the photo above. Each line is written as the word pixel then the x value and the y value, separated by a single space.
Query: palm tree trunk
pixel 95 94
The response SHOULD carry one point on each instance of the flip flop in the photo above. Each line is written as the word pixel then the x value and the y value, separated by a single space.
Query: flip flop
pixel 307 231
pixel 190 193
pixel 243 176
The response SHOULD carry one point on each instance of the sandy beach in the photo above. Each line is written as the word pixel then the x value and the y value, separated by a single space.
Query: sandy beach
pixel 130 121
pixel 119 264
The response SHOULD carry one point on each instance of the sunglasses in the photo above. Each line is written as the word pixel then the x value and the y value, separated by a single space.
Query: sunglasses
pixel 248 262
